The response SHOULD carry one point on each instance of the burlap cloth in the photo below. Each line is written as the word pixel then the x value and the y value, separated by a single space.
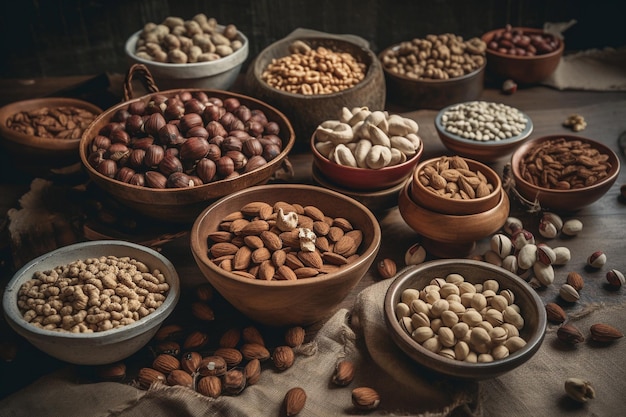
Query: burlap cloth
pixel 533 389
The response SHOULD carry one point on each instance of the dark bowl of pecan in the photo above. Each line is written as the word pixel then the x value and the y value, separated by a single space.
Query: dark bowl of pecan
pixel 44 133
pixel 563 173
pixel 525 55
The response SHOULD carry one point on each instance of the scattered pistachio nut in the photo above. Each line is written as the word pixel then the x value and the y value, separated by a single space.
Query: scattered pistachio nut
pixel 569 293
pixel 572 227
pixel 596 259
pixel 579 390
pixel 415 255
pixel 615 278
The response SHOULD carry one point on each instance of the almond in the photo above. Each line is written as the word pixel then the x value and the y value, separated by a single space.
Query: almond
pixel 169 332
pixel 190 362
pixel 255 227
pixel 343 224
pixel 294 401
pixel 242 258
pixel 386 268
pixel 305 222
pixel 170 347
pixel 568 333
pixel 230 338
pixel 555 313
pixel 292 261
pixel 575 280
pixel 335 233
pixel 202 311
pixel 251 334
pixel 294 336
pixel 232 356
pixel 286 273
pixel 243 274
pixel 279 257
pixel 320 228
pixel 312 259
pixel 271 240
pixel 266 270
pixel 283 357
pixel 233 216
pixel 255 351
pixel 259 255
pixel 357 236
pixel 314 213
pixel 365 398
pixel 222 249
pixel 211 386
pixel 601 332
pixel 253 242
pixel 212 365
pixel 254 208
pixel 344 373
pixel 234 381
pixel 334 258
pixel 236 226
pixel 195 340
pixel 220 236
pixel 306 272
pixel 345 246
pixel 322 243
pixel 114 372
pixel 252 371
pixel 149 376
pixel 287 208
pixel 179 377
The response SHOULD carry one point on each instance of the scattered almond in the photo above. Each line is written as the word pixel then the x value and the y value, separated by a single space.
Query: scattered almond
pixel 555 313
pixel 294 401
pixel 602 332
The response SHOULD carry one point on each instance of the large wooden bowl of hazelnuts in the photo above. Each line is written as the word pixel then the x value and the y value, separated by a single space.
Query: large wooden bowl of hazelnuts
pixel 169 154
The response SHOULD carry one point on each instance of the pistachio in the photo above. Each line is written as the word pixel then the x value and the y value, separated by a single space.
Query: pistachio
pixel 527 256
pixel 544 273
pixel 501 244
pixel 568 293
pixel 596 259
pixel 562 255
pixel 579 390
pixel 545 254
pixel 615 278
pixel 550 225
pixel 415 255
pixel 572 227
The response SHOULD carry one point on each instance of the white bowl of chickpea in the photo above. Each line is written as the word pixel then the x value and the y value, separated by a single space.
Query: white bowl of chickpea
pixel 65 306
pixel 193 53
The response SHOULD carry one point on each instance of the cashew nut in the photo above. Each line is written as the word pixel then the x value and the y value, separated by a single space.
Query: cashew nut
pixel 360 153
pixel 307 239
pixel 286 221
pixel 378 157
pixel 377 136
pixel 343 156
pixel 340 133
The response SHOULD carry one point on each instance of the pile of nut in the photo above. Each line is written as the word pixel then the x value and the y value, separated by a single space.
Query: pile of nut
pixel 283 241
pixel 92 295
pixel 437 57
pixel 368 139
pixel 314 71
pixel 514 41
pixel 458 319
pixel 564 164
pixel 484 121
pixel 63 122
pixel 184 140
pixel 451 177
pixel 180 41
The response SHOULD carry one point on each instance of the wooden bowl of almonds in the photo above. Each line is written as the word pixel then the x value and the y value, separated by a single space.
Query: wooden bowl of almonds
pixel 463 318
pixel 563 173
pixel 455 185
pixel 44 133
pixel 285 254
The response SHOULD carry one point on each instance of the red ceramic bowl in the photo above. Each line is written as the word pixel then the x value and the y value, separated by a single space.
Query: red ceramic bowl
pixel 522 69
pixel 364 178
pixel 563 200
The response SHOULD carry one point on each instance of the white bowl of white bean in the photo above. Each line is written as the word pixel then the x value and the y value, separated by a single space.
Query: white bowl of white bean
pixel 482 130
pixel 92 303
pixel 464 318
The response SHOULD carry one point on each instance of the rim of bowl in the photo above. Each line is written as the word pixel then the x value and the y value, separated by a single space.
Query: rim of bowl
pixel 488 143
pixel 236 58
pixel 121 333
pixel 521 151
pixel 10 109
pixel 368 75
pixel 85 141
pixel 413 159
pixel 532 344
pixel 426 80
pixel 486 37
pixel 483 167
pixel 371 249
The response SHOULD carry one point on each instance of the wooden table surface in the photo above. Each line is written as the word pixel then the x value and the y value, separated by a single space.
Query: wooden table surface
pixel 604 222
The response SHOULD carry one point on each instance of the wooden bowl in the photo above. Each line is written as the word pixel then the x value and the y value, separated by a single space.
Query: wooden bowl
pixel 432 94
pixel 417 277
pixel 437 203
pixel 280 302
pixel 306 112
pixel 102 347
pixel 37 153
pixel 182 205
pixel 448 235
pixel 484 151
pixel 522 69
pixel 364 179
pixel 559 200
pixel 219 74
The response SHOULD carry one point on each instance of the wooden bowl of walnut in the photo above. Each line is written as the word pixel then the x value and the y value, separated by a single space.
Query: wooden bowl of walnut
pixel 587 170
pixel 302 287
pixel 455 185
pixel 462 351
pixel 189 126
pixel 44 133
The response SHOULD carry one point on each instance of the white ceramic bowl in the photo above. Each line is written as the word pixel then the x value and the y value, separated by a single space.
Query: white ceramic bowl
pixel 220 74
pixel 99 347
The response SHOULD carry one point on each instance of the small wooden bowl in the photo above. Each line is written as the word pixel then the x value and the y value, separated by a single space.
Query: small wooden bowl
pixel 306 112
pixel 483 151
pixel 432 94
pixel 448 235
pixel 522 69
pixel 432 201
pixel 364 179
pixel 297 302
pixel 37 153
pixel 417 277
pixel 564 201
pixel 182 205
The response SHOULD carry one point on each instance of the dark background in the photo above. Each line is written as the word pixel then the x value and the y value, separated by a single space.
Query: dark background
pixel 45 38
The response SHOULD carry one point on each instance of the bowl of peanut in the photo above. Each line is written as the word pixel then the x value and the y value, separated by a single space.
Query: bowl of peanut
pixel 482 130
pixel 435 71
pixel 525 55
pixel 285 254
pixel 563 173
pixel 366 150
pixel 192 53
pixel 44 133
pixel 464 318
pixel 311 77
pixel 92 303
